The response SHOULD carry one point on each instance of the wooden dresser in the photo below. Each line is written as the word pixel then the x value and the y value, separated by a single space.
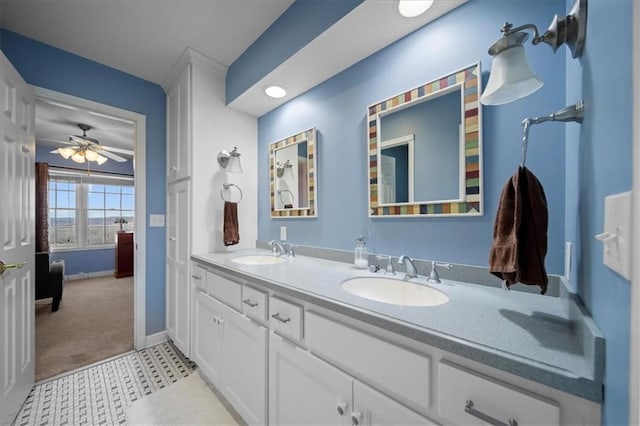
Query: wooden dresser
pixel 124 254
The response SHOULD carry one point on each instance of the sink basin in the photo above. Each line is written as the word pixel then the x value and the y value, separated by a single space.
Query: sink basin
pixel 258 259
pixel 394 292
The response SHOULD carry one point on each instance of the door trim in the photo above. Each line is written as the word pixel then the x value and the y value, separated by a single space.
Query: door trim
pixel 634 376
pixel 139 178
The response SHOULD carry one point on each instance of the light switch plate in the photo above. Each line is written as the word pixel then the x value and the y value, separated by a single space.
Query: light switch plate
pixel 283 233
pixel 617 230
pixel 156 220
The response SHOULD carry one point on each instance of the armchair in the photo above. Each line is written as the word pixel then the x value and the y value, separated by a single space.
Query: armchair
pixel 49 280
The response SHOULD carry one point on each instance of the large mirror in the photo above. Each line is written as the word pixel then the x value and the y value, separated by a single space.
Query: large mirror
pixel 292 165
pixel 425 149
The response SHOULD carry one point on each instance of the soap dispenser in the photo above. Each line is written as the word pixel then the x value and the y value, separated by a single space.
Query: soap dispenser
pixel 361 259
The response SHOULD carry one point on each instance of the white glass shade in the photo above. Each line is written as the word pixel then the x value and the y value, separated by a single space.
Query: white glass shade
pixel 511 78
pixel 413 8
pixel 66 152
pixel 234 165
pixel 78 157
pixel 100 159
pixel 91 155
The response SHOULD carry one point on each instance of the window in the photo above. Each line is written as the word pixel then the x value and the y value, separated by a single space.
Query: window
pixel 87 211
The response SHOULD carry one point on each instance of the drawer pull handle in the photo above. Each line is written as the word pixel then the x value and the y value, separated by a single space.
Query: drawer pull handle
pixel 250 303
pixel 195 277
pixel 468 408
pixel 356 417
pixel 279 318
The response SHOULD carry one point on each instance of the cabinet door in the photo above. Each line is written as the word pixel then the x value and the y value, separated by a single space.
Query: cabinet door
pixel 244 358
pixel 207 337
pixel 303 390
pixel 371 408
pixel 178 283
pixel 178 127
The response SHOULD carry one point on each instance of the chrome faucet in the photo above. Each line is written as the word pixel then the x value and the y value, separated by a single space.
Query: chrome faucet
pixel 412 272
pixel 433 275
pixel 389 270
pixel 277 248
pixel 288 249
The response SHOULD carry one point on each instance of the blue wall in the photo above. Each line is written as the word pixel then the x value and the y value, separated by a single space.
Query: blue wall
pixel 46 66
pixel 599 163
pixel 337 108
pixel 86 261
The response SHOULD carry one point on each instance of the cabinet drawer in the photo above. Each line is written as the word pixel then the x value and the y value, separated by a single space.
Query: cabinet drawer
pixel 199 277
pixel 467 397
pixel 227 291
pixel 397 371
pixel 254 303
pixel 285 318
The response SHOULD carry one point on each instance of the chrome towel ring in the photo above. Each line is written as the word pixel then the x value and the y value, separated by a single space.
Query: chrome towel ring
pixel 227 187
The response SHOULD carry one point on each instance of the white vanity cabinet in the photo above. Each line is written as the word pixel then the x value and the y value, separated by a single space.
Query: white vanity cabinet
pixel 229 347
pixel 310 365
pixel 305 390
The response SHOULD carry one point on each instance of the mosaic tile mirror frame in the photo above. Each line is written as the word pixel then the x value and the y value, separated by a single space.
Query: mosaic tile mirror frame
pixel 292 171
pixel 465 171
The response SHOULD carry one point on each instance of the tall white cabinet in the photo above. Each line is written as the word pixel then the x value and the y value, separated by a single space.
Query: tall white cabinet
pixel 199 125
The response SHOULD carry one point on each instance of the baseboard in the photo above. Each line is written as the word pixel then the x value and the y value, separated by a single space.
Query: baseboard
pixel 85 275
pixel 156 339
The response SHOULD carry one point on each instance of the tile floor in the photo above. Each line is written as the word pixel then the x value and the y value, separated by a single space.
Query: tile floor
pixel 99 395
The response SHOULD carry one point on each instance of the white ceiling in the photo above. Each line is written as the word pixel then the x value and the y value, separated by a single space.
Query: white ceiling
pixel 140 37
pixel 55 121
pixel 143 37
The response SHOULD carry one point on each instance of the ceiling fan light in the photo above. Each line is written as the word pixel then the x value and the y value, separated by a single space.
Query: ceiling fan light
pixel 100 159
pixel 78 157
pixel 91 155
pixel 66 152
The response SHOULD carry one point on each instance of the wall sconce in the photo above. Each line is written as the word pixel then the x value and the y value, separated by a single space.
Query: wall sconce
pixel 230 161
pixel 511 77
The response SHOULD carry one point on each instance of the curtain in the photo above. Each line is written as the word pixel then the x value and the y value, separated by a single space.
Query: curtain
pixel 42 207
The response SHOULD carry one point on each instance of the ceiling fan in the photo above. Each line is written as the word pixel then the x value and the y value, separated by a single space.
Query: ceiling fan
pixel 85 148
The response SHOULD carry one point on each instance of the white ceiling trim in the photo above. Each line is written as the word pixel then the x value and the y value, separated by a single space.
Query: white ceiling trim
pixel 367 29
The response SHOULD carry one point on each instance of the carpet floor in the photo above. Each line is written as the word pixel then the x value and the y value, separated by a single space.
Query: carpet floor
pixel 94 322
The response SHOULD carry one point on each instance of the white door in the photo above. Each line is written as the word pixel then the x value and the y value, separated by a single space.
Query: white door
pixel 244 359
pixel 303 390
pixel 371 408
pixel 178 283
pixel 17 231
pixel 388 179
pixel 207 337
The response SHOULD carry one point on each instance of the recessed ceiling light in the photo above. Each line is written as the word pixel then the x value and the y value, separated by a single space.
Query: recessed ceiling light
pixel 275 92
pixel 413 8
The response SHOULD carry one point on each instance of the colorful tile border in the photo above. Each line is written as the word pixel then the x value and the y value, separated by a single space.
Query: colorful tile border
pixel 310 136
pixel 471 80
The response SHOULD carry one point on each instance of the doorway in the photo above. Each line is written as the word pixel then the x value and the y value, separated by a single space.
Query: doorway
pixel 99 113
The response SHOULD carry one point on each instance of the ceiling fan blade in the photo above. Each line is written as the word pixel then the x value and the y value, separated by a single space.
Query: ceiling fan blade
pixel 118 150
pixel 60 141
pixel 112 156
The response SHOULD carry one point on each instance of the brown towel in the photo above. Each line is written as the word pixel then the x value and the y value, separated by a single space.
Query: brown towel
pixel 520 232
pixel 230 229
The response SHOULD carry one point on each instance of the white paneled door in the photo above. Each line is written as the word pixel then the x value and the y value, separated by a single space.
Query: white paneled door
pixel 17 211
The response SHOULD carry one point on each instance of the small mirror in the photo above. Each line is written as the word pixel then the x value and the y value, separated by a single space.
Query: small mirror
pixel 292 165
pixel 425 149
